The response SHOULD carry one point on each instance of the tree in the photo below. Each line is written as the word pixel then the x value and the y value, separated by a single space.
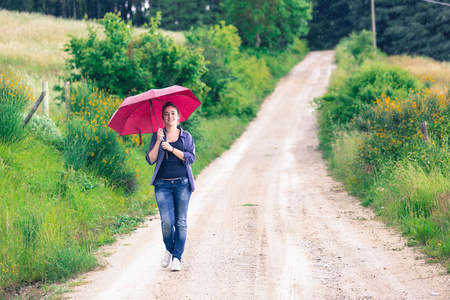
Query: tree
pixel 414 28
pixel 178 14
pixel 125 65
pixel 272 24
pixel 403 26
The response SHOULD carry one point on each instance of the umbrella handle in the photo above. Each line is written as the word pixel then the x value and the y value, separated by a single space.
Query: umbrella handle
pixel 167 154
pixel 140 136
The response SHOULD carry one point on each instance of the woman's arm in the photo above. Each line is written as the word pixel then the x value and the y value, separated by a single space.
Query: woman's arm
pixel 189 149
pixel 153 150
pixel 177 152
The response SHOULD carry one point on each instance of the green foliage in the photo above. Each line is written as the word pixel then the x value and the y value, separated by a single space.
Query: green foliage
pixel 46 130
pixel 367 81
pixel 90 143
pixel 364 86
pixel 360 46
pixel 14 98
pixel 52 218
pixel 414 28
pixel 280 63
pixel 237 80
pixel 125 65
pixel 270 24
pixel 179 14
pixel 392 129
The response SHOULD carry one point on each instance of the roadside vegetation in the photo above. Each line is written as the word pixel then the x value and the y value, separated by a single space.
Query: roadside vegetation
pixel 68 183
pixel 370 132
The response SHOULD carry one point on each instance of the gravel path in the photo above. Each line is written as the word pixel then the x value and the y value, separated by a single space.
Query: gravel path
pixel 268 222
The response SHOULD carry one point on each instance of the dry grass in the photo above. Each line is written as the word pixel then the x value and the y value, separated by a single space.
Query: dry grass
pixel 425 67
pixel 31 46
pixel 177 36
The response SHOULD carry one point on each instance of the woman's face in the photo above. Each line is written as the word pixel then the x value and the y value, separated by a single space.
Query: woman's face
pixel 170 116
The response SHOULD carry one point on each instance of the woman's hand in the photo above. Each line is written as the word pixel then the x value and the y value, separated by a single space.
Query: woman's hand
pixel 160 135
pixel 167 146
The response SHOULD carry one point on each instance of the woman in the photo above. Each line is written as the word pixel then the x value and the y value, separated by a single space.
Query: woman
pixel 173 151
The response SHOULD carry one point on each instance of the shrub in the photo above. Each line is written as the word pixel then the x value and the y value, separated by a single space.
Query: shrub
pixel 364 86
pixel 280 63
pixel 392 128
pixel 124 64
pixel 237 80
pixel 14 98
pixel 356 49
pixel 219 43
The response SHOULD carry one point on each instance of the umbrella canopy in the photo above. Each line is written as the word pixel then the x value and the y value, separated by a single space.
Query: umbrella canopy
pixel 143 113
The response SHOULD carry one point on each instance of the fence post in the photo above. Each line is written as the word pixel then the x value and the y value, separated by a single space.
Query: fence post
pixel 45 107
pixel 424 128
pixel 67 97
pixel 33 109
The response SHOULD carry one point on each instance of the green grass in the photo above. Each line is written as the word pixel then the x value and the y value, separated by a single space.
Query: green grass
pixel 217 136
pixel 52 218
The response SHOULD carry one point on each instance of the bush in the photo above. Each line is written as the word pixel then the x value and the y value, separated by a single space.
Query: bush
pixel 237 80
pixel 366 84
pixel 280 63
pixel 392 129
pixel 124 64
pixel 356 49
pixel 14 98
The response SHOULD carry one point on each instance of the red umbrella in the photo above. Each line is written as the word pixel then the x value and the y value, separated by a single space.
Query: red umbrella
pixel 143 113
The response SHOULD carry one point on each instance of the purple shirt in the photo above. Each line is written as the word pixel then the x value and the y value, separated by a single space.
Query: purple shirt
pixel 188 150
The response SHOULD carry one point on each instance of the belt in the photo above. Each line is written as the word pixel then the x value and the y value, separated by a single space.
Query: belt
pixel 170 179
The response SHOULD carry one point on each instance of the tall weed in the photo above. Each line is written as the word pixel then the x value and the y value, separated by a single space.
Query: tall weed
pixel 14 98
pixel 89 142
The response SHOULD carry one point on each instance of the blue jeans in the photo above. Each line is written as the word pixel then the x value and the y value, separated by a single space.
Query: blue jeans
pixel 173 197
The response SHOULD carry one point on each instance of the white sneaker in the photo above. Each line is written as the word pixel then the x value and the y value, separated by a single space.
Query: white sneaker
pixel 176 265
pixel 165 260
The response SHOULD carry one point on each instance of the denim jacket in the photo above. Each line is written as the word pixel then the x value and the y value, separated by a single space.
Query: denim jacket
pixel 188 150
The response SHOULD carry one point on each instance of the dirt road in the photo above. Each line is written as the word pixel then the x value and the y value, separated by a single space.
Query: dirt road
pixel 267 222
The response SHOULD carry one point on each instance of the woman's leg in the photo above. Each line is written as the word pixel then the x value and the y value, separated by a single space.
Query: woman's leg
pixel 165 201
pixel 182 194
